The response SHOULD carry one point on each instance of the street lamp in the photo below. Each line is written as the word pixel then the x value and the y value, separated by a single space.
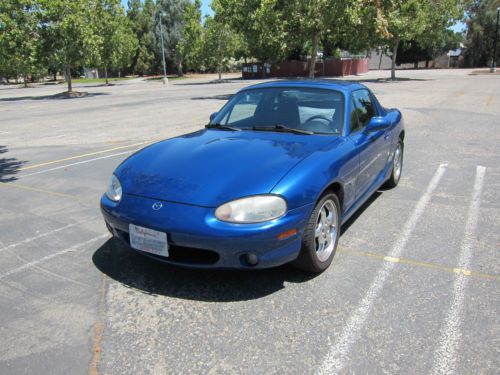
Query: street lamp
pixel 165 79
pixel 494 63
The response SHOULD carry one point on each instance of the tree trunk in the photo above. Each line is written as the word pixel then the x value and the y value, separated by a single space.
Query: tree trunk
pixel 106 75
pixel 380 61
pixel 180 73
pixel 394 54
pixel 25 80
pixel 314 52
pixel 219 69
pixel 55 76
pixel 68 78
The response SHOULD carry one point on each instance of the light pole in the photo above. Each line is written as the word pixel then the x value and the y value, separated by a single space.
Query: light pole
pixel 165 79
pixel 494 63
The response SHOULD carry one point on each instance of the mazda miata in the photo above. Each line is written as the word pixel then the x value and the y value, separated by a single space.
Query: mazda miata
pixel 269 180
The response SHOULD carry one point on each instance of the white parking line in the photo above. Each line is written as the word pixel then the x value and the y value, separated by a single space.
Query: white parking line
pixel 50 256
pixel 337 356
pixel 31 239
pixel 73 164
pixel 444 358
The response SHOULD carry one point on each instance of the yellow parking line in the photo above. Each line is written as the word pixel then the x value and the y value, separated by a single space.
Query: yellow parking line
pixel 38 190
pixel 490 100
pixel 420 264
pixel 82 156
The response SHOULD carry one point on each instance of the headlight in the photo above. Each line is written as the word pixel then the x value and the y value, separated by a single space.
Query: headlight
pixel 252 209
pixel 114 191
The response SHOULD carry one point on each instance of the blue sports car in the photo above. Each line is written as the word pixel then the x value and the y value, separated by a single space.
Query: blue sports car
pixel 268 181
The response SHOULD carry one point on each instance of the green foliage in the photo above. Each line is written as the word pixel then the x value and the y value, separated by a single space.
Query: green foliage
pixel 118 43
pixel 191 46
pixel 19 39
pixel 261 23
pixel 481 22
pixel 171 13
pixel 219 44
pixel 36 35
pixel 413 20
pixel 70 29
pixel 141 15
pixel 414 51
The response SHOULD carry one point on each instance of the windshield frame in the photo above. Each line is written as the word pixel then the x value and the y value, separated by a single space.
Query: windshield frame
pixel 228 106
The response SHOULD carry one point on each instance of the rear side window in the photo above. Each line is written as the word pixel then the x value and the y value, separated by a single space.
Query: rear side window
pixel 362 105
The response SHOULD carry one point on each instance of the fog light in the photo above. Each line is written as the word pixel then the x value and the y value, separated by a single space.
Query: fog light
pixel 251 259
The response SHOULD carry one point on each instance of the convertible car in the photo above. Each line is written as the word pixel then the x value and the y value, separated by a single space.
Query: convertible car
pixel 268 181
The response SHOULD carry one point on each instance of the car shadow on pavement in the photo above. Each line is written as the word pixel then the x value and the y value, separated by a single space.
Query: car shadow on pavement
pixel 136 271
pixel 9 167
pixel 359 211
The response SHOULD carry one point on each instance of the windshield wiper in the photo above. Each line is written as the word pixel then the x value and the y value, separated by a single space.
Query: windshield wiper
pixel 282 128
pixel 222 127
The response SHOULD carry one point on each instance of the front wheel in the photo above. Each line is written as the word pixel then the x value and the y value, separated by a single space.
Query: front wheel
pixel 397 166
pixel 321 236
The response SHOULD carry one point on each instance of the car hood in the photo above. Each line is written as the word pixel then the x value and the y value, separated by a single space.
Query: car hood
pixel 210 167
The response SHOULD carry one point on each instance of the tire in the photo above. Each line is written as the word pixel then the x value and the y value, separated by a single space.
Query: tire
pixel 319 241
pixel 397 166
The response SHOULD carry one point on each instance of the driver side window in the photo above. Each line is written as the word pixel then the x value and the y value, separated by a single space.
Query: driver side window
pixel 362 110
pixel 243 109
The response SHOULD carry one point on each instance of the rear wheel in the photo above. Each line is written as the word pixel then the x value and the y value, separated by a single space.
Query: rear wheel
pixel 321 236
pixel 397 166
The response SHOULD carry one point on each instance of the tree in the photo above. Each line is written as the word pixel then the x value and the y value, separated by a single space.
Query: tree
pixel 313 19
pixel 261 23
pixel 19 39
pixel 70 28
pixel 219 43
pixel 275 29
pixel 171 13
pixel 413 20
pixel 118 41
pixel 191 45
pixel 481 27
pixel 141 16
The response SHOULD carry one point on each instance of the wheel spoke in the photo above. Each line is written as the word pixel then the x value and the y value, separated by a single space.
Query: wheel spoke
pixel 323 216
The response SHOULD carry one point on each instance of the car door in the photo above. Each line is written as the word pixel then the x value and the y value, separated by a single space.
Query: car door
pixel 370 146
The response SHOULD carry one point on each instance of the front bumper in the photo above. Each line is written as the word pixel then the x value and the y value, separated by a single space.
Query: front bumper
pixel 197 239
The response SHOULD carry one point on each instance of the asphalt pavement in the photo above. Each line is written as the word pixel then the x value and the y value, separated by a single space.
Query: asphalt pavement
pixel 413 288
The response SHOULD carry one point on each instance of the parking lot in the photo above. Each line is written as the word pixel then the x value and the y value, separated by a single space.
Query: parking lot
pixel 413 288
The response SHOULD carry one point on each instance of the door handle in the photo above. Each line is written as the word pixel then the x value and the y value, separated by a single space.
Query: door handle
pixel 387 136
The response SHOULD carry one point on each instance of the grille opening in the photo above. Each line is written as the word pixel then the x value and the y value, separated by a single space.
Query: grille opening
pixel 179 254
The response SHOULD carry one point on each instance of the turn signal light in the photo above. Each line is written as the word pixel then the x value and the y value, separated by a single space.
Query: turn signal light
pixel 288 233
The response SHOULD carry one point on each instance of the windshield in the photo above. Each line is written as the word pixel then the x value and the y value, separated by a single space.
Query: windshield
pixel 311 110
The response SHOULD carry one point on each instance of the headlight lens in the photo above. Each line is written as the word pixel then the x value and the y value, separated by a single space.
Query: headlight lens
pixel 114 191
pixel 252 209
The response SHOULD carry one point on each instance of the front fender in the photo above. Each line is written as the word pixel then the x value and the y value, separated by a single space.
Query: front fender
pixel 306 182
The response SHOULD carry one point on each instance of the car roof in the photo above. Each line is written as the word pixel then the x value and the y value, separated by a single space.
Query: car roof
pixel 329 84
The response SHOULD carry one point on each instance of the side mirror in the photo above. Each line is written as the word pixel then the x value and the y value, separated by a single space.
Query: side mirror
pixel 378 123
pixel 212 116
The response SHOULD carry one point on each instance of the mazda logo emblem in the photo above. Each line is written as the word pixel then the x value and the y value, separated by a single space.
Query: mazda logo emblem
pixel 157 205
